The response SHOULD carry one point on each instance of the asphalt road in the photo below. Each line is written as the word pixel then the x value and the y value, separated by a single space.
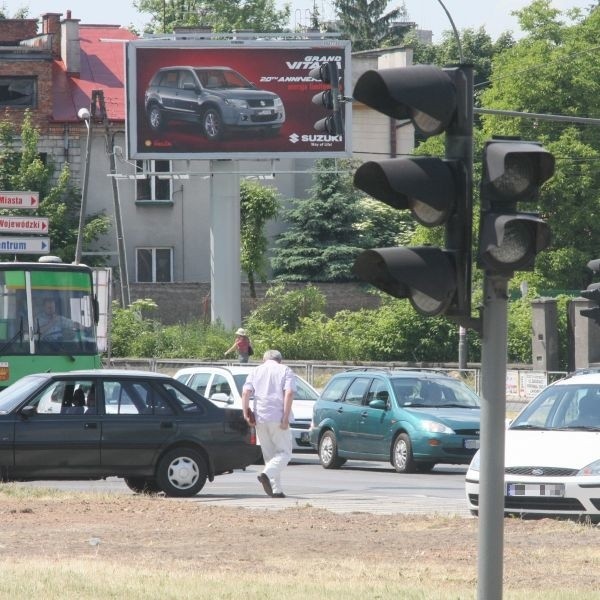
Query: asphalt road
pixel 357 487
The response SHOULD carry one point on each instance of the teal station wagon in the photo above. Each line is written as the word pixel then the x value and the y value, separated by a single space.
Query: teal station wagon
pixel 414 419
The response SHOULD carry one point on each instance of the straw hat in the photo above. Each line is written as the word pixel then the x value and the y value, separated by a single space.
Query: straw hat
pixel 241 331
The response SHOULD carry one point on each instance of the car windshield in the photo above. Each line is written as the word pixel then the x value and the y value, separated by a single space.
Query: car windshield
pixel 575 406
pixel 220 79
pixel 14 394
pixel 434 392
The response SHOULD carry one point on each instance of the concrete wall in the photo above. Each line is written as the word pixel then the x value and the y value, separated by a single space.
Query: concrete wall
pixel 185 302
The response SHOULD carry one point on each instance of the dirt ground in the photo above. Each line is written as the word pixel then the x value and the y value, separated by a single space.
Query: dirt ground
pixel 122 527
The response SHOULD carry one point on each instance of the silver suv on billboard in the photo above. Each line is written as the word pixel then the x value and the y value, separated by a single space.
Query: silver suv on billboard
pixel 218 98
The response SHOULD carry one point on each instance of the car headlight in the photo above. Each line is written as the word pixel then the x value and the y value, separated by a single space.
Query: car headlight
pixel 591 469
pixel 236 103
pixel 474 466
pixel 436 427
pixel 277 103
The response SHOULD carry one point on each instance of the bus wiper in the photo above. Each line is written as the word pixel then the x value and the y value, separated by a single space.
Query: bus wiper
pixel 10 342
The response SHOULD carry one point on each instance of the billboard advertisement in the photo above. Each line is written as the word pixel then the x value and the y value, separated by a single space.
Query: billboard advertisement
pixel 205 99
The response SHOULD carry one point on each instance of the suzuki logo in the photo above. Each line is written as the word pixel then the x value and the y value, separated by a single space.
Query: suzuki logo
pixel 263 103
pixel 294 138
pixel 537 472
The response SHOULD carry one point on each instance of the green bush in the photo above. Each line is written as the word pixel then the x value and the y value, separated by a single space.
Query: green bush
pixel 295 323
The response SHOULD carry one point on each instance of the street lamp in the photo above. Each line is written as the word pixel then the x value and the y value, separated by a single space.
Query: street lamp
pixel 84 115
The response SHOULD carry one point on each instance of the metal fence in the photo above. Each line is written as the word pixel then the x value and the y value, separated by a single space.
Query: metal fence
pixel 522 384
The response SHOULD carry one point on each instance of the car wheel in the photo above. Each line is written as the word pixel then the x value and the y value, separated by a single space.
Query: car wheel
pixel 328 453
pixel 212 124
pixel 402 457
pixel 156 118
pixel 139 485
pixel 181 472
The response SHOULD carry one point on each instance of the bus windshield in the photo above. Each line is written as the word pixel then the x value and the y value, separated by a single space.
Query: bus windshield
pixel 46 311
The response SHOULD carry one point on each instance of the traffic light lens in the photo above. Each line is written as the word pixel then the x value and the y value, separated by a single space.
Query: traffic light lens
pixel 426 305
pixel 517 244
pixel 426 124
pixel 518 176
pixel 427 214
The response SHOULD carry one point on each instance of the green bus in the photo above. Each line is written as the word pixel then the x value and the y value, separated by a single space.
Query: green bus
pixel 48 318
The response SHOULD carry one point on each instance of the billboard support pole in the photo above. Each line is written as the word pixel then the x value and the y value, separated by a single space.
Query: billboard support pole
pixel 225 244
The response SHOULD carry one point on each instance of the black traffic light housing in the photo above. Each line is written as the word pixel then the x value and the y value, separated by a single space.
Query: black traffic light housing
pixel 330 99
pixel 513 172
pixel 437 191
pixel 592 293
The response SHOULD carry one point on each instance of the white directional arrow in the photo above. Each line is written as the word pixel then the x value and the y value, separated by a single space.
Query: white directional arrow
pixel 24 245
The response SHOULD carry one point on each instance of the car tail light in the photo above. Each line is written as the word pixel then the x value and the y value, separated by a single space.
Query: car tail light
pixel 253 436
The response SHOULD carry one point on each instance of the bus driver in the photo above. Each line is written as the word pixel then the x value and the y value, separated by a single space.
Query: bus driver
pixel 51 325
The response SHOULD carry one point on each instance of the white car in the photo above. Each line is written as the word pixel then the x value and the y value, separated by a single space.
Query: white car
pixel 223 387
pixel 552 457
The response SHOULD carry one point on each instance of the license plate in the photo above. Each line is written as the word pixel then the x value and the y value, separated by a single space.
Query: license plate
pixel 535 489
pixel 264 112
pixel 471 444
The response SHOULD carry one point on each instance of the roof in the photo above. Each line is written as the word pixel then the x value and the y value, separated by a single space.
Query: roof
pixel 102 65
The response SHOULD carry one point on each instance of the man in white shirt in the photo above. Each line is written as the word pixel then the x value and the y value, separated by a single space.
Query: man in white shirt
pixel 272 386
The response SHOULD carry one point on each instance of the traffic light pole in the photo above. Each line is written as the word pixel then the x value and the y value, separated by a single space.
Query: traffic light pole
pixel 493 415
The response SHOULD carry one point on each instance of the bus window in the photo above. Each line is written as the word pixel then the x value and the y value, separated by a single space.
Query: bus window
pixel 46 309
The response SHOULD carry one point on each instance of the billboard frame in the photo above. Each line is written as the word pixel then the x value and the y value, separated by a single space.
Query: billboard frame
pixel 314 144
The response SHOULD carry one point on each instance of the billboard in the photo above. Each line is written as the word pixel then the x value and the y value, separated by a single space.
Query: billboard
pixel 205 99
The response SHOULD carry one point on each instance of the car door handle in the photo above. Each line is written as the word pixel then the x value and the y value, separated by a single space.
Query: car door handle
pixel 166 425
pixel 340 409
pixel 90 425
pixel 364 414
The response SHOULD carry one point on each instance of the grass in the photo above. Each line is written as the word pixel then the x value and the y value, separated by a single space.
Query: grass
pixel 64 578
pixel 57 545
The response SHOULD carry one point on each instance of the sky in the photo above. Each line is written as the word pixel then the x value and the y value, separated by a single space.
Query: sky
pixel 494 15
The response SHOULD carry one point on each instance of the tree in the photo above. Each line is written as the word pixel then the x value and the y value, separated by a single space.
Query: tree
pixel 381 225
pixel 554 70
pixel 258 205
pixel 321 242
pixel 477 46
pixel 22 168
pixel 367 24
pixel 220 15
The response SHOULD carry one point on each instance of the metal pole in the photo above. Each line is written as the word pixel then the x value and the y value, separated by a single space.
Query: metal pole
pixel 123 273
pixel 462 348
pixel 84 186
pixel 493 415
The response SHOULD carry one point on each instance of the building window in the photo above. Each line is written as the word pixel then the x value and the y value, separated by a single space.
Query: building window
pixel 153 187
pixel 154 265
pixel 18 91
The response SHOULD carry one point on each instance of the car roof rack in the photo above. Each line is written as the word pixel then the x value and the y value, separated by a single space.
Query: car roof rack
pixel 391 370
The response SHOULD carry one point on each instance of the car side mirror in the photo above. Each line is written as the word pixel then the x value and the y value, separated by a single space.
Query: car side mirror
pixel 379 404
pixel 28 411
pixel 220 397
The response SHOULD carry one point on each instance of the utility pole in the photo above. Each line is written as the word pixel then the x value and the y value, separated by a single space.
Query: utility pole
pixel 98 98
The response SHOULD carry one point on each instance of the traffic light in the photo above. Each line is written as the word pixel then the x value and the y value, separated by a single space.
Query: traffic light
pixel 592 293
pixel 437 191
pixel 330 99
pixel 513 172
